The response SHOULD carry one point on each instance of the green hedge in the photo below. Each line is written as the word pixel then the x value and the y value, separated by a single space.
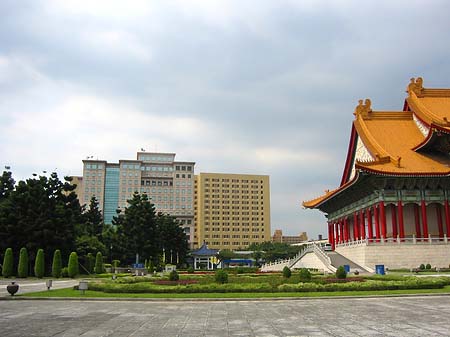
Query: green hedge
pixel 8 263
pixel 147 287
pixel 22 269
pixel 39 264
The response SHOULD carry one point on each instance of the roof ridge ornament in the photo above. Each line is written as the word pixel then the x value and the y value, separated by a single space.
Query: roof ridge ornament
pixel 363 109
pixel 415 86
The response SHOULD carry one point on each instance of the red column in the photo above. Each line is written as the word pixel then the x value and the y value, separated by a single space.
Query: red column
pixel 417 220
pixel 447 217
pixel 355 226
pixel 383 219
pixel 377 222
pixel 336 229
pixel 439 221
pixel 369 225
pixel 346 230
pixel 424 219
pixel 394 221
pixel 400 220
pixel 341 229
pixel 363 225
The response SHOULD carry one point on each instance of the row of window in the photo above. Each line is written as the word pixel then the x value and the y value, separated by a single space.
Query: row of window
pixel 225 180
pixel 94 166
pixel 183 168
pixel 188 176
pixel 234 236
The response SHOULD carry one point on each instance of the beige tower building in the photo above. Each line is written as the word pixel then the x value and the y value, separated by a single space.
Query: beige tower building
pixel 169 185
pixel 232 211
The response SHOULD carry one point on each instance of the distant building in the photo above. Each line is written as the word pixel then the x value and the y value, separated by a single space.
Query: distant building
pixel 280 238
pixel 232 211
pixel 169 185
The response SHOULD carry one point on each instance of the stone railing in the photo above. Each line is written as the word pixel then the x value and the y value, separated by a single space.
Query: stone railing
pixel 320 253
pixel 408 241
pixel 308 249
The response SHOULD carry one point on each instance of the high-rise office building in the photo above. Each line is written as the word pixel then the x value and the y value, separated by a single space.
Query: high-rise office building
pixel 232 210
pixel 169 185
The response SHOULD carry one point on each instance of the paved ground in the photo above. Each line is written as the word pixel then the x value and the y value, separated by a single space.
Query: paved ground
pixel 26 286
pixel 414 316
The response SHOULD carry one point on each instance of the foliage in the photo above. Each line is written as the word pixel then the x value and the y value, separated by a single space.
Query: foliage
pixel 191 270
pixel 286 272
pixel 93 220
pixel 422 267
pixel 173 276
pixel 341 273
pixel 90 263
pixel 221 276
pixel 65 272
pixel 72 268
pixel 39 212
pixel 428 266
pixel 305 274
pixel 8 263
pixel 22 269
pixel 172 239
pixel 99 269
pixel 39 264
pixel 88 244
pixel 150 267
pixel 57 264
pixel 272 251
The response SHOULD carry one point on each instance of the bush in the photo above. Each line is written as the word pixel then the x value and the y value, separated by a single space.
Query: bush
pixel 8 263
pixel 422 267
pixel 151 267
pixel 65 272
pixel 341 273
pixel 305 274
pixel 173 276
pixel 39 264
pixel 221 276
pixel 22 269
pixel 57 264
pixel 191 270
pixel 99 269
pixel 90 263
pixel 428 266
pixel 286 272
pixel 72 268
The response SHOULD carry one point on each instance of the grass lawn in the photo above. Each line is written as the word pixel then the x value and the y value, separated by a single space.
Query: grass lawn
pixel 69 292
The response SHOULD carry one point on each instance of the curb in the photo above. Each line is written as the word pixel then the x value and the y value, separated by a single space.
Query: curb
pixel 226 299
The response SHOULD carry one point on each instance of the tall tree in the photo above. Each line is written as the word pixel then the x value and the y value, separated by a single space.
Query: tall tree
pixel 172 239
pixel 138 228
pixel 93 219
pixel 6 185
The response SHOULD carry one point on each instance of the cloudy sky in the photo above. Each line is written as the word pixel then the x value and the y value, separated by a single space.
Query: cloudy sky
pixel 265 87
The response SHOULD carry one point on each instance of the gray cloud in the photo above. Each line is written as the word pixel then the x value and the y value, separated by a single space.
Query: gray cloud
pixel 256 86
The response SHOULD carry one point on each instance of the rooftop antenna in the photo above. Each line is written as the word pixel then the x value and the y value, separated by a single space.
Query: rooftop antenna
pixel 142 149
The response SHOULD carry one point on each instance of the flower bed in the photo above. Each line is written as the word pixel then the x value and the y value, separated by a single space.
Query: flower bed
pixel 174 283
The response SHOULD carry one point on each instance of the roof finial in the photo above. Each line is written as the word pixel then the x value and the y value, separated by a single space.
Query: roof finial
pixel 415 85
pixel 363 109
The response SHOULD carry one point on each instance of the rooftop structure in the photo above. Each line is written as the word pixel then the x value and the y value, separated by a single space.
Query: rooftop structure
pixel 396 183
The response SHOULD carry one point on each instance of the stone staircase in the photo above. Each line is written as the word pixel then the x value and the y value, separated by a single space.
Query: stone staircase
pixel 340 260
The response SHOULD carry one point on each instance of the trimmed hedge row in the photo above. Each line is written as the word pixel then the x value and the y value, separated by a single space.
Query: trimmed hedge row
pixel 410 283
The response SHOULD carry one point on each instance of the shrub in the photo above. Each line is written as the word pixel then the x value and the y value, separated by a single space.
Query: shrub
pixel 115 263
pixel 22 269
pixel 173 276
pixel 191 270
pixel 305 274
pixel 286 272
pixel 39 264
pixel 151 267
pixel 72 268
pixel 8 263
pixel 99 263
pixel 341 273
pixel 57 264
pixel 428 266
pixel 422 267
pixel 65 272
pixel 221 276
pixel 90 262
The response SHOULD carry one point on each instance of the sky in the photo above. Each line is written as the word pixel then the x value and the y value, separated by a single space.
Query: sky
pixel 260 87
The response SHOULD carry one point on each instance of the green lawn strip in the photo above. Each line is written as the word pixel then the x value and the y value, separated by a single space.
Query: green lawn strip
pixel 69 292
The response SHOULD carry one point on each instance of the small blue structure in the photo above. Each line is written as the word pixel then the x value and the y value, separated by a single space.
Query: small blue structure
pixel 347 268
pixel 205 257
pixel 379 269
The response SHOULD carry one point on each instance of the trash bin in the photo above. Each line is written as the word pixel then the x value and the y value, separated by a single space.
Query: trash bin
pixel 347 268
pixel 379 269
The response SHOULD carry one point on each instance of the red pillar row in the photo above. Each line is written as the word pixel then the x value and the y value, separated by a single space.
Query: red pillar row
pixel 362 225
pixel 439 221
pixel 400 220
pixel 383 219
pixel 369 224
pixel 355 227
pixel 417 221
pixel 341 229
pixel 377 222
pixel 424 219
pixel 394 221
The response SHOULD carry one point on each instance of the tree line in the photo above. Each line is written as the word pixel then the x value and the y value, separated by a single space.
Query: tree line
pixel 44 213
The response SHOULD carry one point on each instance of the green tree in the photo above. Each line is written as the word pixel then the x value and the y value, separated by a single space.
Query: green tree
pixel 88 245
pixel 72 268
pixel 6 185
pixel 39 264
pixel 99 263
pixel 305 275
pixel 22 269
pixel 172 239
pixel 137 228
pixel 287 272
pixel 57 264
pixel 341 273
pixel 221 276
pixel 90 263
pixel 8 263
pixel 93 220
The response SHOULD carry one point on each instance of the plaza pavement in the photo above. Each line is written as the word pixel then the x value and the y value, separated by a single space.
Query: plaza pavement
pixel 389 316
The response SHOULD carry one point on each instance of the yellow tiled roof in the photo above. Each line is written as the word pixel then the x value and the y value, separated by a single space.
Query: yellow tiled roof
pixel 391 137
